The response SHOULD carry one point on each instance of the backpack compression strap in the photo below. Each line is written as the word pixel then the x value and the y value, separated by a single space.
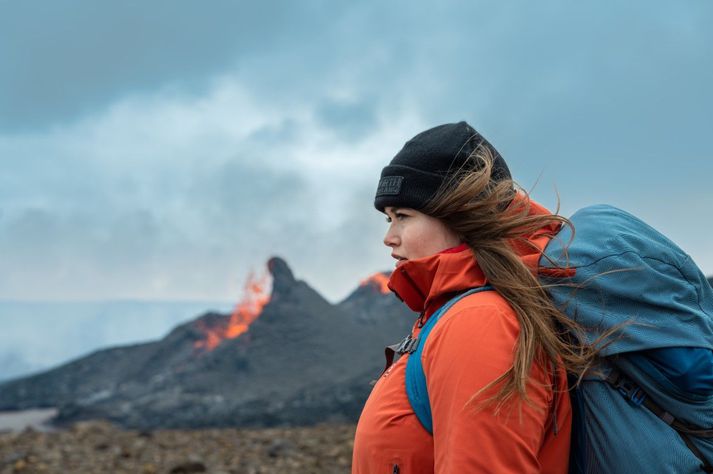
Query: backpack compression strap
pixel 637 397
pixel 416 388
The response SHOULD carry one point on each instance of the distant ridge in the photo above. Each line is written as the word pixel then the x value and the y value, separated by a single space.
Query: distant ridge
pixel 39 335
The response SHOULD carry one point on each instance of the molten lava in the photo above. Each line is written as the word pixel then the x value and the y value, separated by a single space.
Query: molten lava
pixel 379 281
pixel 255 296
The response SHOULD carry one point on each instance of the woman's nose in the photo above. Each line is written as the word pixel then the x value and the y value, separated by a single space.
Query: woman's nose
pixel 391 239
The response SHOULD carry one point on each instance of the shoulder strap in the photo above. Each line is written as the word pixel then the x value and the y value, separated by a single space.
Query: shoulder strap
pixel 416 388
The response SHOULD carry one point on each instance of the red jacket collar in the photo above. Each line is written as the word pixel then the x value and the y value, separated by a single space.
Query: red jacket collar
pixel 425 284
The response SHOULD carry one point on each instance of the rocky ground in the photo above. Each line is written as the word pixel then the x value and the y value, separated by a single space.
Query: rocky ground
pixel 98 447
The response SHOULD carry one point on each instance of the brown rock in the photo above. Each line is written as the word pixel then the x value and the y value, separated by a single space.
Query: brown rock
pixel 91 448
pixel 188 468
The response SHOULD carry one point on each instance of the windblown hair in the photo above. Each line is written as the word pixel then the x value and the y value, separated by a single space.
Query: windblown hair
pixel 494 220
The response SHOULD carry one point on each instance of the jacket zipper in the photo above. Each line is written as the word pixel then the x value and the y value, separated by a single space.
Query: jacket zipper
pixel 396 469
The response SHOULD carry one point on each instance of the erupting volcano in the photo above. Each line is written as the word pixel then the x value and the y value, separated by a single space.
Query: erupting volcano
pixel 256 295
pixel 279 369
pixel 379 281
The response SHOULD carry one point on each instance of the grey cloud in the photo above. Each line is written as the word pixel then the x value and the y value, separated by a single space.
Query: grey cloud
pixel 475 59
pixel 59 254
pixel 350 120
pixel 228 214
pixel 64 59
pixel 242 195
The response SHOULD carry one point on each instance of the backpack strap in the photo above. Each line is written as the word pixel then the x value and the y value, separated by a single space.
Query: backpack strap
pixel 636 395
pixel 416 388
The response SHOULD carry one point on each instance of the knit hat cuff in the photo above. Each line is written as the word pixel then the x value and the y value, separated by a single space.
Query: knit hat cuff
pixel 403 186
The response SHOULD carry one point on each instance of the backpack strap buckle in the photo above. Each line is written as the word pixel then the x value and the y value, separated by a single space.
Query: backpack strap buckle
pixel 407 346
pixel 632 392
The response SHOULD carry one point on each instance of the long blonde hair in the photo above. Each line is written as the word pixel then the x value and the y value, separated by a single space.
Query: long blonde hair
pixel 494 220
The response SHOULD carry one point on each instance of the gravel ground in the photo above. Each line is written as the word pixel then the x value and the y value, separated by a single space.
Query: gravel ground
pixel 98 447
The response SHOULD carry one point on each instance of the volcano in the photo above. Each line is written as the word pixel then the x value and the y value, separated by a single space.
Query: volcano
pixel 289 357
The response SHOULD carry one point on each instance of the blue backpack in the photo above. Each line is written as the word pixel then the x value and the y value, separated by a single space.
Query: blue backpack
pixel 648 406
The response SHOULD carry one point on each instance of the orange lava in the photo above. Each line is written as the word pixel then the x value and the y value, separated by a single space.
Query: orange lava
pixel 378 280
pixel 255 296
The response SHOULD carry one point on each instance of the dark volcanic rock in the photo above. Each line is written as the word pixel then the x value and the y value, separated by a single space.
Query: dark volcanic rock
pixel 282 278
pixel 303 361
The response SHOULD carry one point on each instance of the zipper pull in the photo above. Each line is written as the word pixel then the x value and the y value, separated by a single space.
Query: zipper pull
pixel 396 469
pixel 420 319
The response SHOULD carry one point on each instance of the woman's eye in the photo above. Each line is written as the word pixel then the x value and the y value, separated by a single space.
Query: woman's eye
pixel 398 216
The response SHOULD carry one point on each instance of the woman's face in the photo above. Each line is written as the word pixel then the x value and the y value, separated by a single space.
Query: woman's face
pixel 413 234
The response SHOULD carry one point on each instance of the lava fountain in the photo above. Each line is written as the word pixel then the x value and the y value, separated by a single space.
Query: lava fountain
pixel 256 294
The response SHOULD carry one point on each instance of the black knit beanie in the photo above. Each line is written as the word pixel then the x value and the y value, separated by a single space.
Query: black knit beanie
pixel 416 173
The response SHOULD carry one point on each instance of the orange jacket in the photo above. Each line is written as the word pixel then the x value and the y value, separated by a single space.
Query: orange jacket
pixel 470 347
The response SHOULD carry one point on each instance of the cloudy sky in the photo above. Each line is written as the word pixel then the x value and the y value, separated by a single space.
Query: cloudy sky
pixel 164 149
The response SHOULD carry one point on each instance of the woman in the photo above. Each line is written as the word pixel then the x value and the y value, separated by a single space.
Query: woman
pixel 496 362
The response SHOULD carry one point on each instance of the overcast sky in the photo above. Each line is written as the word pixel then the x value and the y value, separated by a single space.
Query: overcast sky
pixel 162 150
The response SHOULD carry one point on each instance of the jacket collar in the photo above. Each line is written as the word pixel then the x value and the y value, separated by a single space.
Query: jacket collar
pixel 425 284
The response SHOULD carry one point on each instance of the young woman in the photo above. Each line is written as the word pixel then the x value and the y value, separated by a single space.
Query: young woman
pixel 496 362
